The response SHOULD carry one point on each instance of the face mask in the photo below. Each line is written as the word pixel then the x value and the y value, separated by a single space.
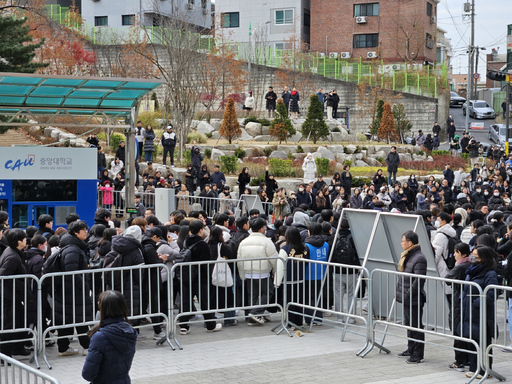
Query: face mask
pixel 412 177
pixel 401 192
pixel 473 259
pixel 478 190
pixel 436 224
pixel 496 194
pixel 301 189
pixel 45 248
pixel 486 193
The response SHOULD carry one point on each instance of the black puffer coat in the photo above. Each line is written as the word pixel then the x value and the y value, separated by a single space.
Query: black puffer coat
pixel 408 287
pixel 11 264
pixel 72 294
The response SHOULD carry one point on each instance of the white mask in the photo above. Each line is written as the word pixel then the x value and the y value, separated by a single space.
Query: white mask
pixel 486 193
pixel 496 194
pixel 478 190
pixel 412 177
pixel 436 224
pixel 301 189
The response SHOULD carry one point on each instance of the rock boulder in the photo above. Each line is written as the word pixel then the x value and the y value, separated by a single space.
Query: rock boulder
pixel 204 128
pixel 216 154
pixel 253 129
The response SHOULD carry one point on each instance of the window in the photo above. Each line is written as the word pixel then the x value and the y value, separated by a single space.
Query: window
pixel 429 9
pixel 204 3
pixel 44 190
pixel 230 20
pixel 307 18
pixel 101 21
pixel 366 41
pixel 366 9
pixel 429 41
pixel 128 19
pixel 283 46
pixel 284 17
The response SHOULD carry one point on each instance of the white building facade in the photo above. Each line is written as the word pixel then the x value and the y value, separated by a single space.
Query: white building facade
pixel 273 24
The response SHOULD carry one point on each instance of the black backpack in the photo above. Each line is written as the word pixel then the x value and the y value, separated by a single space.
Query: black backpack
pixel 53 263
pixel 450 259
pixel 344 251
pixel 185 255
pixel 115 262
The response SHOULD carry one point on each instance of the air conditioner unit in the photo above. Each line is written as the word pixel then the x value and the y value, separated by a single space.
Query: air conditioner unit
pixel 361 19
pixel 372 55
pixel 321 54
pixel 333 55
pixel 345 55
pixel 205 11
pixel 395 67
pixel 432 19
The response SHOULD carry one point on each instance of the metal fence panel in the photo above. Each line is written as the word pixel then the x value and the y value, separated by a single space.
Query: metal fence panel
pixel 15 372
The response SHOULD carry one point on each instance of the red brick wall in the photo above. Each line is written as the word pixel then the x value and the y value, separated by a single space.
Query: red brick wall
pixel 335 20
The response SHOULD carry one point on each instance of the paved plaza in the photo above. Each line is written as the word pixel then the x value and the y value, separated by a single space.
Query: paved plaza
pixel 244 354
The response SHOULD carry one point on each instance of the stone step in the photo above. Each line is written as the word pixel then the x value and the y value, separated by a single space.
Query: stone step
pixel 16 137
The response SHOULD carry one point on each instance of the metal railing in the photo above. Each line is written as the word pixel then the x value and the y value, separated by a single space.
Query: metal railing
pixel 73 298
pixel 18 311
pixel 415 308
pixel 14 372
pixel 252 295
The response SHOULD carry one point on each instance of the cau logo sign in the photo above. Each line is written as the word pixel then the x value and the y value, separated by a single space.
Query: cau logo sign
pixel 16 165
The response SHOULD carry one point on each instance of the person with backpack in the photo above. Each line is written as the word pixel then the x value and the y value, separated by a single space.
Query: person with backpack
pixel 71 293
pixel 344 278
pixel 12 310
pixel 440 243
pixel 196 279
pixel 128 246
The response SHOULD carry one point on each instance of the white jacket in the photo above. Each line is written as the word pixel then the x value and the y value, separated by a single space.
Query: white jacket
pixel 116 168
pixel 257 245
pixel 440 244
pixel 309 168
pixel 249 102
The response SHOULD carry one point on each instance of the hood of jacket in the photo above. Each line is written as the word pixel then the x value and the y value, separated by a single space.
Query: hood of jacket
pixel 32 252
pixel 119 333
pixel 447 229
pixel 316 240
pixel 300 218
pixel 68 239
pixel 124 244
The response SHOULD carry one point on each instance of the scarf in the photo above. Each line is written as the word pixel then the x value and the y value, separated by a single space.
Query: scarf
pixel 401 263
pixel 463 260
pixel 294 93
pixel 474 269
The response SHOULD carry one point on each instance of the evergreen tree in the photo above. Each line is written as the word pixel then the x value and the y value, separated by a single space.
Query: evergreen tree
pixel 230 128
pixel 387 125
pixel 281 127
pixel 378 117
pixel 314 127
pixel 16 48
pixel 402 123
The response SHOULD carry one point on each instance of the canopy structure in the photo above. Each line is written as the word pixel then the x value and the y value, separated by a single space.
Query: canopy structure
pixel 43 99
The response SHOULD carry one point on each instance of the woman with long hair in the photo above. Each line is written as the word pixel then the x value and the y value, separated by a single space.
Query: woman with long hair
pixel 112 345
pixel 294 251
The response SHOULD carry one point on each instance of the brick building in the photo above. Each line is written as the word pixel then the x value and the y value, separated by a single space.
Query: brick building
pixel 392 30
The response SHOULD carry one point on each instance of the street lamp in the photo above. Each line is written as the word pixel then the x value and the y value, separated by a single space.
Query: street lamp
pixel 250 51
pixel 476 68
pixel 469 90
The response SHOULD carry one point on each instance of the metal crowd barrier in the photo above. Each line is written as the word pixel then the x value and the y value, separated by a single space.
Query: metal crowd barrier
pixel 316 290
pixel 496 304
pixel 80 308
pixel 438 319
pixel 18 310
pixel 15 372
pixel 246 294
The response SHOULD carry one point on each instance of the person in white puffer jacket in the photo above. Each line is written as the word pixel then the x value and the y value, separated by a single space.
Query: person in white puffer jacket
pixel 440 244
pixel 257 273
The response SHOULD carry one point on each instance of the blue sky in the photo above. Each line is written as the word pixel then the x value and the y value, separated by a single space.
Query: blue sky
pixel 492 17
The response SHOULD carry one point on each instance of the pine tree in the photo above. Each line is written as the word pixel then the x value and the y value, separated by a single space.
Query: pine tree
pixel 16 48
pixel 378 118
pixel 230 128
pixel 314 127
pixel 281 127
pixel 402 123
pixel 387 125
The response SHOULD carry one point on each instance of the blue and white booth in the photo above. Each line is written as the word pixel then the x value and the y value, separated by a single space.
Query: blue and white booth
pixel 35 180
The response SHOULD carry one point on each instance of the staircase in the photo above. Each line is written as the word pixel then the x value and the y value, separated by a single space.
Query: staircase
pixel 16 137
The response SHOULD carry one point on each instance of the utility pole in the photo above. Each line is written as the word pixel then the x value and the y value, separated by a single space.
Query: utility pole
pixel 468 89
pixel 472 43
pixel 249 60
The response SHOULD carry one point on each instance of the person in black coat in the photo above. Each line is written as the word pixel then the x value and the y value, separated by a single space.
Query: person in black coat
pixel 121 152
pixel 243 179
pixel 451 131
pixel 393 161
pixel 378 179
pixel 190 179
pixel 71 299
pixel 149 143
pixel 271 99
pixel 196 280
pixel 196 157
pixel 436 128
pixel 294 103
pixel 93 140
pixel 271 183
pixel 335 102
pixel 346 179
pixel 411 295
pixel 112 344
pixel 204 176
pixel 12 310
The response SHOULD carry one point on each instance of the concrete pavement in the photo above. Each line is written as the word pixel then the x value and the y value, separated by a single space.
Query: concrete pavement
pixel 244 354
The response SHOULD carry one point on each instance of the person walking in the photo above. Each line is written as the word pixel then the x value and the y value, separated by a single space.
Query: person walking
pixel 112 344
pixel 451 131
pixel 393 161
pixel 169 143
pixel 412 296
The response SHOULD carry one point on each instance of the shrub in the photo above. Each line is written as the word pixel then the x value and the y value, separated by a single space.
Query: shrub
pixel 256 181
pixel 149 117
pixel 314 126
pixel 208 153
pixel 230 128
pixel 209 135
pixel 322 165
pixel 229 164
pixel 380 160
pixel 198 137
pixel 187 157
pixel 436 165
pixel 290 156
pixel 264 122
pixel 281 127
pixel 464 155
pixel 115 140
pixel 280 168
pixel 348 162
pixel 336 129
pixel 440 153
pixel 420 153
pixel 358 181
pixel 300 149
pixel 361 136
pixel 358 149
pixel 251 119
pixel 240 153
pixel 268 150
